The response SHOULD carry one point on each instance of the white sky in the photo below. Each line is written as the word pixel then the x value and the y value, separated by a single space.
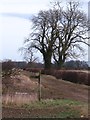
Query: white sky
pixel 23 6
pixel 13 30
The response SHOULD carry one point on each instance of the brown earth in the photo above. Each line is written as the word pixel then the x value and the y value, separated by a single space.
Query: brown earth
pixel 29 113
pixel 50 88
pixel 56 88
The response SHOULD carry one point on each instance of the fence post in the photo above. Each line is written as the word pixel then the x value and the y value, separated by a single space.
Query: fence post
pixel 39 85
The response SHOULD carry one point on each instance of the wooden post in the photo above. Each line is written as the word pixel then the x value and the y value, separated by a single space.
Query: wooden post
pixel 39 86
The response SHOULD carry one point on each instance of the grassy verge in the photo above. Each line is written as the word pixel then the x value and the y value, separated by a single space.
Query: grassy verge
pixel 52 103
pixel 59 108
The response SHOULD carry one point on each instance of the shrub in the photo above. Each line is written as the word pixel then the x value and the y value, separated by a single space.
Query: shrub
pixel 68 75
pixel 7 67
pixel 35 70
pixel 83 78
pixel 76 77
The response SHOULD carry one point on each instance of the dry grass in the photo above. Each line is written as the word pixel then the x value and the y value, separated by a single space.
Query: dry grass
pixel 60 108
pixel 51 88
pixel 19 98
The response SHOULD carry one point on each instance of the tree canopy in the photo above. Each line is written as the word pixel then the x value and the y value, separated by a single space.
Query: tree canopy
pixel 57 33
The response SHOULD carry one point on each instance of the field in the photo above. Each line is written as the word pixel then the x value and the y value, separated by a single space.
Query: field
pixel 59 98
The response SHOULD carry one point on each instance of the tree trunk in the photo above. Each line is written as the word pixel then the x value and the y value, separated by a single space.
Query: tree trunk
pixel 47 65
pixel 60 62
pixel 47 61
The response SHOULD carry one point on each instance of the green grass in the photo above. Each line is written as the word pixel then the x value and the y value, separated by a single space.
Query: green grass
pixel 50 103
pixel 68 114
pixel 63 108
pixel 63 114
pixel 59 108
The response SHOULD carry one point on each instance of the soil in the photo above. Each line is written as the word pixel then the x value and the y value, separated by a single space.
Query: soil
pixel 27 113
pixel 50 88
pixel 56 88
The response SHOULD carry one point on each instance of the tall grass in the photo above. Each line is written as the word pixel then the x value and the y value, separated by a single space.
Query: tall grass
pixel 19 98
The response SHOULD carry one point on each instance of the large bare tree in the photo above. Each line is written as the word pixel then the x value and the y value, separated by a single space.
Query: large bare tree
pixel 71 31
pixel 58 33
pixel 43 36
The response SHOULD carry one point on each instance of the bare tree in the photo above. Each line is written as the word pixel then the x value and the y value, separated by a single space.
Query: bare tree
pixel 43 36
pixel 71 31
pixel 58 33
pixel 28 54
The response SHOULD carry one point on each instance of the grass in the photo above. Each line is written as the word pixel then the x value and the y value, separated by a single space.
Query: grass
pixel 59 108
pixel 66 113
pixel 18 99
pixel 50 108
pixel 51 102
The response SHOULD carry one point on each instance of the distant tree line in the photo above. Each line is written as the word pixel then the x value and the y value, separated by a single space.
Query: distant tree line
pixel 8 65
pixel 76 65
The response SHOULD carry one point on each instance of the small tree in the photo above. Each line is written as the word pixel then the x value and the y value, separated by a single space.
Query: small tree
pixel 28 54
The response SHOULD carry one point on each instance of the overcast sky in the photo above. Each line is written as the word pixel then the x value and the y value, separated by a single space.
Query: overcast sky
pixel 15 24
